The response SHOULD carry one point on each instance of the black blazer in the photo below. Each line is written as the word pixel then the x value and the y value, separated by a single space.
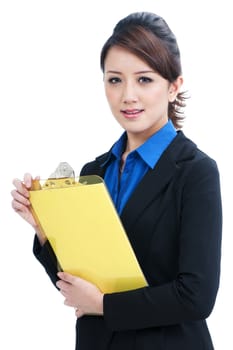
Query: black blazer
pixel 174 222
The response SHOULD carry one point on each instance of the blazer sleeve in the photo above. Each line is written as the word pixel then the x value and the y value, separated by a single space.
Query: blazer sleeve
pixel 47 258
pixel 191 295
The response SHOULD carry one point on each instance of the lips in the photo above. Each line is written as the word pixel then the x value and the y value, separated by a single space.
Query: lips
pixel 131 113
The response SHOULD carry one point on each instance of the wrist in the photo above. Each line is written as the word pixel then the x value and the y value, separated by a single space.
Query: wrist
pixel 41 237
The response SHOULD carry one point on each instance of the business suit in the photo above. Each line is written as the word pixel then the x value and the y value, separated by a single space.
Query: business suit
pixel 173 221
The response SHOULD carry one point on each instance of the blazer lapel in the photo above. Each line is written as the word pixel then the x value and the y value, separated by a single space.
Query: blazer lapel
pixel 157 178
pixel 148 189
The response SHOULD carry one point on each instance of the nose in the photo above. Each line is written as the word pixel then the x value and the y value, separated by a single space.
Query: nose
pixel 129 94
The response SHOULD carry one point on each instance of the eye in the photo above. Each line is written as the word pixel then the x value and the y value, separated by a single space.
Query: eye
pixel 145 80
pixel 114 80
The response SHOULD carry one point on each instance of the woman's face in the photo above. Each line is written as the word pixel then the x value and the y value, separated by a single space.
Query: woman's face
pixel 137 95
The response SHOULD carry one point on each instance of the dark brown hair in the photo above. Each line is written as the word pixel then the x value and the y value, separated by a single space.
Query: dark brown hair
pixel 148 36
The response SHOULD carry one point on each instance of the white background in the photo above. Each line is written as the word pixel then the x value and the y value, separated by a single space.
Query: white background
pixel 53 109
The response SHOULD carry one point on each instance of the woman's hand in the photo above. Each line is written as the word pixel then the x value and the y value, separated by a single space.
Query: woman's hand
pixel 21 203
pixel 84 296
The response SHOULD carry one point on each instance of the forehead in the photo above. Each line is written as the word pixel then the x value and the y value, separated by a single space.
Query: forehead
pixel 120 59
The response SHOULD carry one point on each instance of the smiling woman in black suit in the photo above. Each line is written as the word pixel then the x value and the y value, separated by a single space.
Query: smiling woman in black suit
pixel 167 194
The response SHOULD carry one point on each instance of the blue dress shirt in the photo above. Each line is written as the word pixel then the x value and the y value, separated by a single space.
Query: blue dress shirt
pixel 138 162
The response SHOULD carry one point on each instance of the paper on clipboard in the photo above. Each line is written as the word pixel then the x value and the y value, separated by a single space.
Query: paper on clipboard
pixel 80 221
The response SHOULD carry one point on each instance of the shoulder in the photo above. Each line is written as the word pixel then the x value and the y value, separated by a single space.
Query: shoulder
pixel 96 166
pixel 194 168
pixel 198 175
pixel 188 154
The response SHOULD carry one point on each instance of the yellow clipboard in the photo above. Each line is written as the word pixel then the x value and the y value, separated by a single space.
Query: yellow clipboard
pixel 79 219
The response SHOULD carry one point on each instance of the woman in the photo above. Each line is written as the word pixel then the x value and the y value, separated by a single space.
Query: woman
pixel 167 193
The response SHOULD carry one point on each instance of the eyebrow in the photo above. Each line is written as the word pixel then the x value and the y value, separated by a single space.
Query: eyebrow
pixel 139 72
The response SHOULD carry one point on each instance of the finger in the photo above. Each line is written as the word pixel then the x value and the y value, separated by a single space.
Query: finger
pixel 64 276
pixel 18 206
pixel 20 187
pixel 65 295
pixel 27 180
pixel 69 303
pixel 24 212
pixel 79 313
pixel 61 285
pixel 19 198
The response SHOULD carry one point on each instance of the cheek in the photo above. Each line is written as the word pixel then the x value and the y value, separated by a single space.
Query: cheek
pixel 158 96
pixel 112 96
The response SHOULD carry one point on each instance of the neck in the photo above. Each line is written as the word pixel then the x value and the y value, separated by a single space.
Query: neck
pixel 134 140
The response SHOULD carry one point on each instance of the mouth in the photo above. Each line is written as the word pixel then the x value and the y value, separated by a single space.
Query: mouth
pixel 132 113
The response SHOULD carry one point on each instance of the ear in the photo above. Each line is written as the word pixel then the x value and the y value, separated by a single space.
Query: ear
pixel 174 88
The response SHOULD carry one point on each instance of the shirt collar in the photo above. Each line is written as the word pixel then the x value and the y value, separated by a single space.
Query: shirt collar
pixel 151 150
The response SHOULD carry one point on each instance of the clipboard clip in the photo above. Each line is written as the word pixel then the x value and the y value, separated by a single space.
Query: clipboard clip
pixel 63 176
pixel 63 170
